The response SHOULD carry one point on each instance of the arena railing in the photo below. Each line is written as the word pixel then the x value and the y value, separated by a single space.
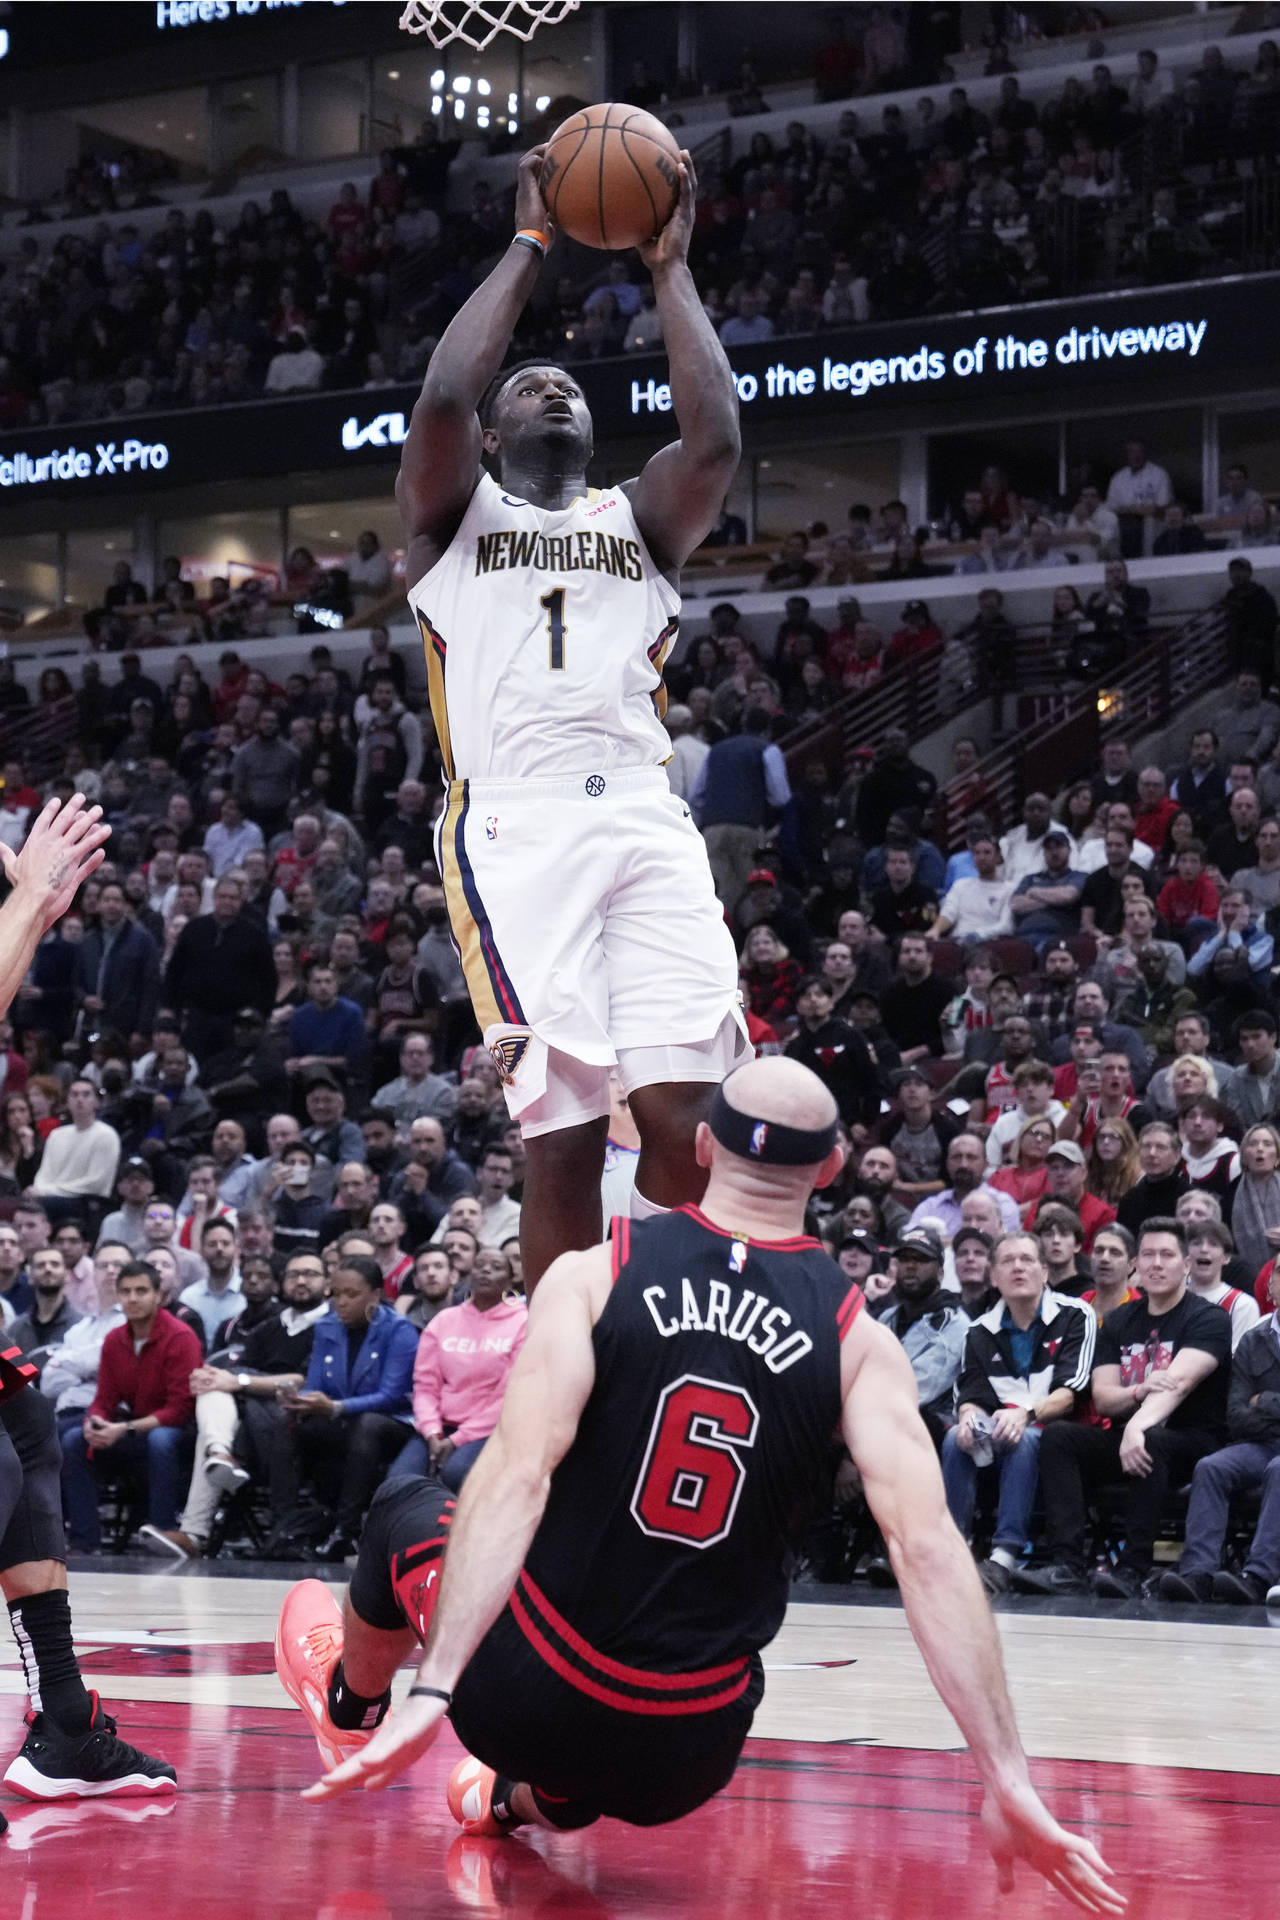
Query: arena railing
pixel 40 735
pixel 1063 733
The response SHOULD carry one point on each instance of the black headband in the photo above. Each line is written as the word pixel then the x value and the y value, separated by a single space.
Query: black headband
pixel 766 1140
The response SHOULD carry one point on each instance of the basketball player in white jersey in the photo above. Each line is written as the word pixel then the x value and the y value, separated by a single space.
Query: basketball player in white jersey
pixel 578 887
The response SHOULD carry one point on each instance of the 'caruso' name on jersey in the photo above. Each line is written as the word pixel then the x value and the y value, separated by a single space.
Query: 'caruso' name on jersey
pixel 559 553
pixel 754 1320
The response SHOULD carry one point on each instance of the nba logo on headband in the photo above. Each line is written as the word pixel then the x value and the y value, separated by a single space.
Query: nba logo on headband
pixel 759 1134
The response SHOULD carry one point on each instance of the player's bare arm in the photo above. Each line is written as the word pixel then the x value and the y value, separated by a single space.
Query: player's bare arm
pixel 440 463
pixel 678 497
pixel 949 1617
pixel 62 849
pixel 498 1510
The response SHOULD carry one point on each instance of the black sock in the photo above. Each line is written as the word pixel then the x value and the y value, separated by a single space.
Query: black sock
pixel 351 1710
pixel 500 1805
pixel 42 1628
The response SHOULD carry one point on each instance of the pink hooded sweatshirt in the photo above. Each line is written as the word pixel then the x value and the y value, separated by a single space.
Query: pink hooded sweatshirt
pixel 460 1374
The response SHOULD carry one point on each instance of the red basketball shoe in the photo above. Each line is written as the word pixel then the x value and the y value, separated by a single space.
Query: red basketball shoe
pixel 308 1648
pixel 470 1795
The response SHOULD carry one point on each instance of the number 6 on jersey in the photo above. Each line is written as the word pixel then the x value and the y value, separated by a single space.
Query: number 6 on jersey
pixel 692 1474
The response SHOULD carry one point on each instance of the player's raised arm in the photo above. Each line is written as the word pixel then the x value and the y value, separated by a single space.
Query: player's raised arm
pixel 498 1509
pixel 678 497
pixel 948 1614
pixel 62 849
pixel 440 463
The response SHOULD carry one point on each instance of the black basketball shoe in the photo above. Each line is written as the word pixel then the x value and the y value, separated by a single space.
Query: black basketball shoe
pixel 54 1765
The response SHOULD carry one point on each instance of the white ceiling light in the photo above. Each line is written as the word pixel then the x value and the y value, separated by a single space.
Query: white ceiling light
pixel 482 86
pixel 462 84
pixel 542 102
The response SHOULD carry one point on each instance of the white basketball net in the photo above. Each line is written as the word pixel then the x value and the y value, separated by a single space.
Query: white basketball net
pixel 480 22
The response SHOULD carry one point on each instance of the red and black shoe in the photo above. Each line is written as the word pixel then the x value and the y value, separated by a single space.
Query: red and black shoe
pixel 55 1765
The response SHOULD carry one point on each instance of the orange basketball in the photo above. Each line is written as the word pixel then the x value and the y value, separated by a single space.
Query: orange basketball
pixel 609 176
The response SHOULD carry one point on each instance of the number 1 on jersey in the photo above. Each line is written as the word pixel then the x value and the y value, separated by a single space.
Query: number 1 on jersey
pixel 554 604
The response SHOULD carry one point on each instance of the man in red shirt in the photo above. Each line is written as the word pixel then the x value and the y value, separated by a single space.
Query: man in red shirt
pixel 142 1419
pixel 1155 809
pixel 1066 1170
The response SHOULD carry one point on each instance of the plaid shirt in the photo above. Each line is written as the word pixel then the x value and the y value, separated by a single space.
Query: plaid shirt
pixel 1052 1007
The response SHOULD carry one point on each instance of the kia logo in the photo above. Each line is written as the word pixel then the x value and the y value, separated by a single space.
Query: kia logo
pixel 385 430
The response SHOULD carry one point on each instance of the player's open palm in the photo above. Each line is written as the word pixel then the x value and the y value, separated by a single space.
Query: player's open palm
pixel 1018 1826
pixel 403 1737
pixel 61 850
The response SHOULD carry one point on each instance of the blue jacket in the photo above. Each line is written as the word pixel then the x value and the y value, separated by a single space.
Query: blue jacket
pixel 131 986
pixel 382 1381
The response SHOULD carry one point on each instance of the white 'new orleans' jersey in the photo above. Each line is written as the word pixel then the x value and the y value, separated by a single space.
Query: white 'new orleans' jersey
pixel 545 634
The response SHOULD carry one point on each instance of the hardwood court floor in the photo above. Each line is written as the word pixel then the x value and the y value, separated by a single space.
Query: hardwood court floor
pixel 1154 1731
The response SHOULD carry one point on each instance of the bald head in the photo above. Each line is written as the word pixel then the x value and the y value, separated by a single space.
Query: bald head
pixel 781 1091
pixel 771 1138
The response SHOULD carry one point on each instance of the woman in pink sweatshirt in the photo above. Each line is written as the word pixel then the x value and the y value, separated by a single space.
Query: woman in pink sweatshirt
pixel 460 1375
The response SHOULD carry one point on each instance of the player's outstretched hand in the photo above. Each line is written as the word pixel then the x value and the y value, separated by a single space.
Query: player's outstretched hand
pixel 531 208
pixel 1018 1826
pixel 403 1737
pixel 672 244
pixel 61 850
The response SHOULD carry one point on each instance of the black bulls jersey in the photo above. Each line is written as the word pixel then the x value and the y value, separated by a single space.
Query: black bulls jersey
pixel 666 1536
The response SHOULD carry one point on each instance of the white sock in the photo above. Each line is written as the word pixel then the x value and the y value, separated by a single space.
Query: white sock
pixel 642 1209
pixel 1003 1558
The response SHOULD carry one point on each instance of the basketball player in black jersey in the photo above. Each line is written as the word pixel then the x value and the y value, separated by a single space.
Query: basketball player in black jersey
pixel 619 1554
pixel 71 1749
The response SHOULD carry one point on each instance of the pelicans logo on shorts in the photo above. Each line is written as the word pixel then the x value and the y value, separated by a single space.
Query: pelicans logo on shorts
pixel 508 1052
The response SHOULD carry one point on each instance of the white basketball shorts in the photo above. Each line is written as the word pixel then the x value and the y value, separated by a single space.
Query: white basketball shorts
pixel 591 938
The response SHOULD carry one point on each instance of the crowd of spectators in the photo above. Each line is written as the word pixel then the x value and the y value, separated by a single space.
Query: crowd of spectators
pixel 894 214
pixel 263 1196
pixel 246 1120
pixel 1065 1024
pixel 796 678
pixel 198 314
pixel 908 212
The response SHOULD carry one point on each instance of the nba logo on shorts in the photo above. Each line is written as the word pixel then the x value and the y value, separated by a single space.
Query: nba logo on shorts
pixel 491 827
pixel 759 1134
pixel 737 1256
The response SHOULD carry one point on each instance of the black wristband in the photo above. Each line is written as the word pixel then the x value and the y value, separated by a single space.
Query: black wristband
pixel 434 1693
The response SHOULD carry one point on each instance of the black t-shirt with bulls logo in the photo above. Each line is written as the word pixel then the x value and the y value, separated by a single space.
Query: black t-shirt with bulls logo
pixel 846 1066
pixel 1139 1342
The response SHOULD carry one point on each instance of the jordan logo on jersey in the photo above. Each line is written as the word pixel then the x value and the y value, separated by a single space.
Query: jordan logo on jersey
pixel 508 1052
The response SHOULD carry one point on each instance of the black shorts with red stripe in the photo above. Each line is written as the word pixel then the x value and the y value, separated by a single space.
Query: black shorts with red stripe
pixel 592 1736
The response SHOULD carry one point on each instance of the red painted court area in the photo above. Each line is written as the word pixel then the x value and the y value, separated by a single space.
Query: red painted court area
pixel 805 1830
